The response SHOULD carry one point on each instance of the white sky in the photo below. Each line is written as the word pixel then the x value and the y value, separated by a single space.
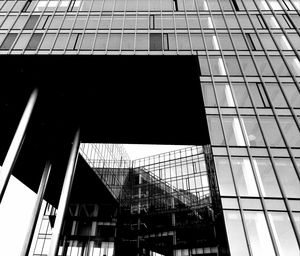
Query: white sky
pixel 15 212
pixel 136 151
pixel 18 202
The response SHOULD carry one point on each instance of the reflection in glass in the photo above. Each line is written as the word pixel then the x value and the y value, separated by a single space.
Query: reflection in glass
pixel 292 94
pixel 215 129
pixel 294 65
pixel 290 130
pixel 271 131
pixel 288 177
pixel 259 236
pixel 235 233
pixel 241 95
pixel 275 94
pixel 208 94
pixel 233 131
pixel 266 177
pixel 283 233
pixel 217 65
pixel 243 176
pixel 224 95
pixel 224 176
pixel 252 131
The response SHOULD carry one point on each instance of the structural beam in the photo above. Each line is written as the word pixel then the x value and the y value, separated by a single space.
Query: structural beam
pixel 65 195
pixel 16 144
pixel 36 210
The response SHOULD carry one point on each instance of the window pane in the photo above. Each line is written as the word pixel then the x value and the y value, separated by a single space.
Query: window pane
pixel 31 22
pixel 239 42
pixel 284 234
pixel 114 42
pixel 215 130
pixel 295 40
pixel 34 42
pixel 141 42
pixel 61 41
pixel 204 69
pixel 290 130
pixel 241 95
pixel 101 41
pixel 258 95
pixel 276 95
pixel 282 42
pixel 266 177
pixel 233 131
pixel 197 41
pixel 155 42
pixel 292 94
pixel 267 42
pixel 258 232
pixel 183 42
pixel 294 65
pixel 128 42
pixel 208 94
pixel 224 176
pixel 224 95
pixel 271 131
pixel 217 65
pixel 20 22
pixel 243 176
pixel 87 41
pixel 279 67
pixel 22 41
pixel 288 177
pixel 263 66
pixel 211 42
pixel 232 65
pixel 248 66
pixel 252 130
pixel 225 42
pixel 8 41
pixel 235 233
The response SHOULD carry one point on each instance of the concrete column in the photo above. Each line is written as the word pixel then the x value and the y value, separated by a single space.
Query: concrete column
pixel 16 144
pixel 36 210
pixel 65 195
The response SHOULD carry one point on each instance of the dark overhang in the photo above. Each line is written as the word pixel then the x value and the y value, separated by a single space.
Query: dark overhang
pixel 114 99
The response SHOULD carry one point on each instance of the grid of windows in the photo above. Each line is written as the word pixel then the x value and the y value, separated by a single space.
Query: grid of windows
pixel 189 26
pixel 250 89
pixel 249 61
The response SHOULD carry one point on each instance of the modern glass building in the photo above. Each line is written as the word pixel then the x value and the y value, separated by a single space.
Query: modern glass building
pixel 221 75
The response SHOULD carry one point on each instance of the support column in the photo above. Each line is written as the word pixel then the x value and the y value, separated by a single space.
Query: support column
pixel 16 144
pixel 65 195
pixel 36 210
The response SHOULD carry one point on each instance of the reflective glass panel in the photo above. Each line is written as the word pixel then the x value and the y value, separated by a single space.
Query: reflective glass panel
pixel 288 177
pixel 233 131
pixel 243 176
pixel 235 233
pixel 284 234
pixel 258 233
pixel 252 130
pixel 225 180
pixel 271 131
pixel 266 177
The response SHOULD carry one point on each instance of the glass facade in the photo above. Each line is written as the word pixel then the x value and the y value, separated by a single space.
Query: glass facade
pixel 166 204
pixel 248 52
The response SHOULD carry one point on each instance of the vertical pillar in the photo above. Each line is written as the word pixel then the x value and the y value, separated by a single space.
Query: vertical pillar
pixel 173 224
pixel 36 210
pixel 16 144
pixel 139 212
pixel 65 195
